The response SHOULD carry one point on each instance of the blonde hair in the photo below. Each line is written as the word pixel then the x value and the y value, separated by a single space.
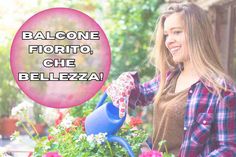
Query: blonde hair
pixel 204 53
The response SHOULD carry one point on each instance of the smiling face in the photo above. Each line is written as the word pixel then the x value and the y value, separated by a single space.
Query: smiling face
pixel 175 39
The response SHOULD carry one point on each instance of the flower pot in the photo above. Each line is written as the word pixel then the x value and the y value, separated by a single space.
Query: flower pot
pixel 1 126
pixel 8 126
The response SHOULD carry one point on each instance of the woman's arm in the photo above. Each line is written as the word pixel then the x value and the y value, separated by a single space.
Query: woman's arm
pixel 226 127
pixel 143 94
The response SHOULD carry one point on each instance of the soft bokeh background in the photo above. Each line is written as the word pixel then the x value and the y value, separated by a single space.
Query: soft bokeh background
pixel 128 25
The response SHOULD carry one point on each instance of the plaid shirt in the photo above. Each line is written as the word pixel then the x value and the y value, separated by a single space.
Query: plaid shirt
pixel 209 122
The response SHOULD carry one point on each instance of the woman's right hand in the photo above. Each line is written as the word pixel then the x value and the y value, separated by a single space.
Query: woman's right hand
pixel 119 91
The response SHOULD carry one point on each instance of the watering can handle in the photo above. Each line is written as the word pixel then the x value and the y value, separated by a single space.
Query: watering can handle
pixel 102 100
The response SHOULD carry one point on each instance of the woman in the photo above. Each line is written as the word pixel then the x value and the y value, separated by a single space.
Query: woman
pixel 194 100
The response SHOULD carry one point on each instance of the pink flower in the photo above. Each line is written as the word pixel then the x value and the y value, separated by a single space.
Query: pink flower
pixel 50 138
pixel 152 153
pixel 59 119
pixel 30 154
pixel 52 154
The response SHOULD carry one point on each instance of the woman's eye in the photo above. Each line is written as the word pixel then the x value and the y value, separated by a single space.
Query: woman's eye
pixel 177 32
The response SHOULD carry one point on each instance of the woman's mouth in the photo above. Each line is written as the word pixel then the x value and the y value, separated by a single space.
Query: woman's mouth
pixel 174 50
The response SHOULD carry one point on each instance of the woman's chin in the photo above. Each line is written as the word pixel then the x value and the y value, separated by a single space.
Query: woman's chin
pixel 177 60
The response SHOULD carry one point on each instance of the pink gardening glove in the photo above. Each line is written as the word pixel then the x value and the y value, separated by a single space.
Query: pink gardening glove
pixel 119 91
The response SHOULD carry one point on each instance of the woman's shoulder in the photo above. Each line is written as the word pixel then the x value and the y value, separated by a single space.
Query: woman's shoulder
pixel 229 93
pixel 227 90
pixel 227 86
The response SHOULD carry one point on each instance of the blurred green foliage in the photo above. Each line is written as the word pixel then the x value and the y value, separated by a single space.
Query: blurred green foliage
pixel 130 27
pixel 38 111
pixel 87 107
pixel 9 92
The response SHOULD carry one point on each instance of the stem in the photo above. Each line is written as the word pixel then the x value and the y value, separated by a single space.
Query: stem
pixel 159 148
pixel 166 148
pixel 32 125
pixel 109 146
pixel 160 145
pixel 25 128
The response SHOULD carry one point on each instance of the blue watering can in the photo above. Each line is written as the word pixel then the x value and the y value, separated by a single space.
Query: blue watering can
pixel 105 119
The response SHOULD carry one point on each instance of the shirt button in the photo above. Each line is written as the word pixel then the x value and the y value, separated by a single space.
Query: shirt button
pixel 204 122
pixel 191 91
pixel 185 128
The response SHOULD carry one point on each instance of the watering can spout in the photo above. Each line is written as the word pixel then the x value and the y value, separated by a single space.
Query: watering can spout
pixel 123 143
pixel 102 100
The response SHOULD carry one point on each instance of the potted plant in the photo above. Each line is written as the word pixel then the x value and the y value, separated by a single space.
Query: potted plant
pixel 39 121
pixel 9 94
pixel 8 126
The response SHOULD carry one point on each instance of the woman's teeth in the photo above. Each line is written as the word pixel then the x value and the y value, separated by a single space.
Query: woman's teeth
pixel 172 50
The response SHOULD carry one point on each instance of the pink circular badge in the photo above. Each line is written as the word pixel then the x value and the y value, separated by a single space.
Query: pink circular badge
pixel 60 57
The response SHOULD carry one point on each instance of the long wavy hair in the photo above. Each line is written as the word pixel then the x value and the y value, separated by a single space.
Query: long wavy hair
pixel 203 49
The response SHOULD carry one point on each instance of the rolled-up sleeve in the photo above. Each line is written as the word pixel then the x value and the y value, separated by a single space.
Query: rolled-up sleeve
pixel 143 94
pixel 226 127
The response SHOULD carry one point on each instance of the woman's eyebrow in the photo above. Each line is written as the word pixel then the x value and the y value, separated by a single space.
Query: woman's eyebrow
pixel 165 31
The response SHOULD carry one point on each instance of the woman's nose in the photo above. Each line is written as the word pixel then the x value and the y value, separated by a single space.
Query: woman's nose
pixel 169 40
